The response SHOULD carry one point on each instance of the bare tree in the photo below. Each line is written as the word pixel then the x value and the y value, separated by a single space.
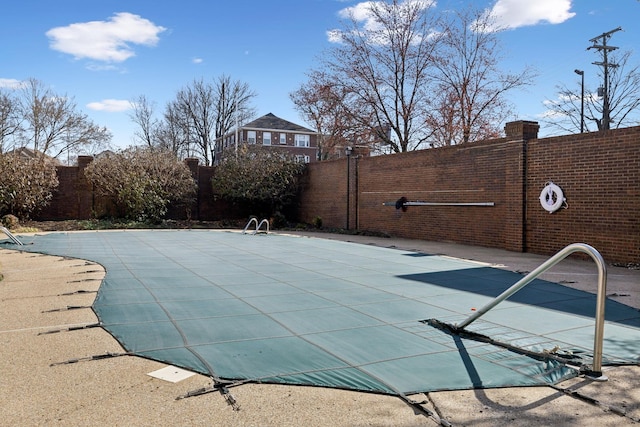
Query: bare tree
pixel 233 101
pixel 143 111
pixel 409 77
pixel 384 69
pixel 470 102
pixel 169 134
pixel 172 133
pixel 442 118
pixel 10 118
pixel 53 125
pixel 233 107
pixel 564 113
pixel 197 104
pixel 322 103
pixel 205 111
pixel 624 92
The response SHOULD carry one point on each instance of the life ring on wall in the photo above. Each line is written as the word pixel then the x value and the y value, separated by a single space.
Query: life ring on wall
pixel 551 197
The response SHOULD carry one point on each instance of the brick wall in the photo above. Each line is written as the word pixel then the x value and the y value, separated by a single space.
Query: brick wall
pixel 324 190
pixel 477 173
pixel 207 207
pixel 599 174
pixel 73 198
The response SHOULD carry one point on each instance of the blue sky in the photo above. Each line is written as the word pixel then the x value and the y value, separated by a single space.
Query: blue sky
pixel 106 53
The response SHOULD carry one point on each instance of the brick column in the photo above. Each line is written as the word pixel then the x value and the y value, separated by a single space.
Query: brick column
pixel 84 190
pixel 193 165
pixel 518 132
pixel 521 130
pixel 83 161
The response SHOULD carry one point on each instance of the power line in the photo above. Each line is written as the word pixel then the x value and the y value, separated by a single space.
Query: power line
pixel 604 49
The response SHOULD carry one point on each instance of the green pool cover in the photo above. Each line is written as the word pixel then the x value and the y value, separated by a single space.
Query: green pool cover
pixel 293 310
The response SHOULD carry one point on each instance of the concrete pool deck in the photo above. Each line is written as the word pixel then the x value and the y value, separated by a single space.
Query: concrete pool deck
pixel 118 391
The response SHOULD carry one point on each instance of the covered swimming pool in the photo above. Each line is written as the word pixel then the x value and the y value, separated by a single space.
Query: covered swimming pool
pixel 308 311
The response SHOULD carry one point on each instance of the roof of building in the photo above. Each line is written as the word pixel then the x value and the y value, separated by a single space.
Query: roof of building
pixel 29 153
pixel 271 121
pixel 104 153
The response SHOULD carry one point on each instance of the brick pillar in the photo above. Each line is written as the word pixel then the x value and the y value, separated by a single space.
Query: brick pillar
pixel 521 130
pixel 193 165
pixel 83 161
pixel 84 190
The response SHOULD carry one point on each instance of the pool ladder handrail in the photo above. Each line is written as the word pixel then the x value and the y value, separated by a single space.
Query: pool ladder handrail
pixel 258 225
pixel 10 235
pixel 596 371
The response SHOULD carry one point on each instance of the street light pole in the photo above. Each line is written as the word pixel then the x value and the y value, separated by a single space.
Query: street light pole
pixel 236 135
pixel 347 151
pixel 581 74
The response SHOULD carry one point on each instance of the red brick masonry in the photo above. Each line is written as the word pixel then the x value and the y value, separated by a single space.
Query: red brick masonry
pixel 599 174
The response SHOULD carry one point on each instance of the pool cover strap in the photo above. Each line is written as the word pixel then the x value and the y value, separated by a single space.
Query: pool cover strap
pixel 543 356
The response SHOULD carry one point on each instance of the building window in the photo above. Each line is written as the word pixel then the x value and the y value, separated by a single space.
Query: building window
pixel 302 159
pixel 266 138
pixel 283 138
pixel 302 140
pixel 251 136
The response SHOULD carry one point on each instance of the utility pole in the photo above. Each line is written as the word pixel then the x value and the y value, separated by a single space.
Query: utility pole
pixel 581 74
pixel 605 124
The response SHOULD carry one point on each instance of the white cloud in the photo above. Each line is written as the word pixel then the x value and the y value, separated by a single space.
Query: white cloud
pixel 110 105
pixel 102 67
pixel 518 13
pixel 334 36
pixel 11 83
pixel 197 60
pixel 361 13
pixel 109 40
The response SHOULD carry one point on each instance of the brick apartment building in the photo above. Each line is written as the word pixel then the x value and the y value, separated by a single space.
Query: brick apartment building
pixel 274 132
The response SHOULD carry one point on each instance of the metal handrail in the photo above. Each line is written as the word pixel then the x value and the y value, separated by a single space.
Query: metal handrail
pixel 266 222
pixel 418 203
pixel 596 372
pixel 253 219
pixel 258 225
pixel 13 238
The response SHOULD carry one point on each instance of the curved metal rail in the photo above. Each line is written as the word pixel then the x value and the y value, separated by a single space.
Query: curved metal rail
pixel 258 225
pixel 266 223
pixel 11 237
pixel 596 372
pixel 253 219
